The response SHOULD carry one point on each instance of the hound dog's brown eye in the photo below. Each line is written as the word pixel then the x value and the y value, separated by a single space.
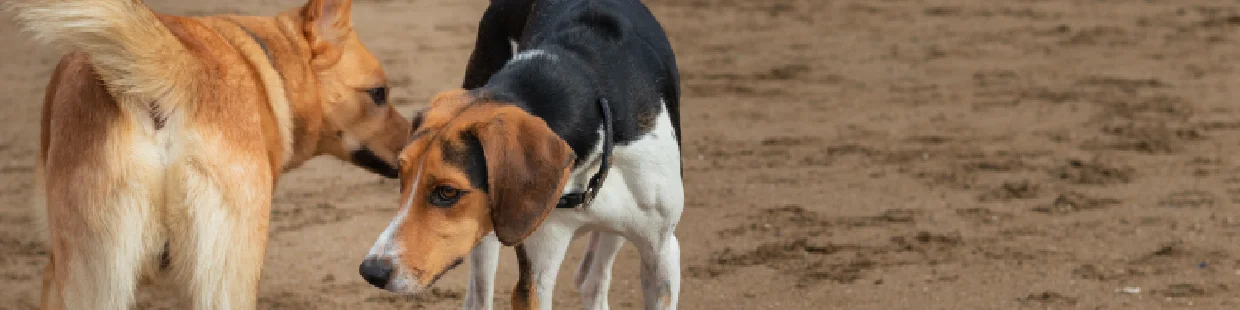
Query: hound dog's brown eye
pixel 378 94
pixel 444 196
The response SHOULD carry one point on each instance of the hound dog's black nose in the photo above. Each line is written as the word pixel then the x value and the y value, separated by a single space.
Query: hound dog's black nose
pixel 376 271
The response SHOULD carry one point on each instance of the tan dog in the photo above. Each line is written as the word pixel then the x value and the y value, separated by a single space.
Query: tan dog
pixel 163 137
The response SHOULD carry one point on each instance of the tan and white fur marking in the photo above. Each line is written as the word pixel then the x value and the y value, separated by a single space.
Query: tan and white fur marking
pixel 547 84
pixel 641 201
pixel 163 136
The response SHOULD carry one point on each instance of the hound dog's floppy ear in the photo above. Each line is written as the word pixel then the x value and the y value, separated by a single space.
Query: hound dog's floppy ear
pixel 527 167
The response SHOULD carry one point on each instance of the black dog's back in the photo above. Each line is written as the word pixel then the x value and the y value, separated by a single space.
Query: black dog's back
pixel 620 52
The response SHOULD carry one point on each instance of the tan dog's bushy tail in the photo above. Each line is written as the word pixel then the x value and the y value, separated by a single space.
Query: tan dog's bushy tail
pixel 135 54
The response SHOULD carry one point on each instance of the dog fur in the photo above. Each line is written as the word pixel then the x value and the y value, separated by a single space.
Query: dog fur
pixel 489 163
pixel 163 138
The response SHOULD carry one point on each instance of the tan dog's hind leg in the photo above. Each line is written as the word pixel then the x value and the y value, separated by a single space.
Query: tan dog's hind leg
pixel 102 186
pixel 48 299
pixel 101 233
pixel 100 178
pixel 219 234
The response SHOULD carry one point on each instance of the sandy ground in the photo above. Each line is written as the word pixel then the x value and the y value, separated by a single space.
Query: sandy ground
pixel 843 154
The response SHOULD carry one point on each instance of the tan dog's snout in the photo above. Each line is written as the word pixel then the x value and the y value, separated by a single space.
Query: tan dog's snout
pixel 370 140
pixel 370 161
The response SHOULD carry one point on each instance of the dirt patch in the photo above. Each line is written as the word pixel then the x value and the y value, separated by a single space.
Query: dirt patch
pixel 846 154
pixel 418 301
pixel 1092 173
pixel 1189 199
pixel 1011 190
pixel 811 262
pixel 1048 299
pixel 1075 202
pixel 983 215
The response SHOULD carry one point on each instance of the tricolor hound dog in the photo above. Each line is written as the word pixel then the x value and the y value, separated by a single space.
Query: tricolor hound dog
pixel 568 123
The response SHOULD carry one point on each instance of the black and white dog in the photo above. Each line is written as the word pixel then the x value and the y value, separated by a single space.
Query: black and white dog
pixel 569 123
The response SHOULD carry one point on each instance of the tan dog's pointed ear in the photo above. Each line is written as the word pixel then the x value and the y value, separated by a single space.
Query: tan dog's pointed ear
pixel 327 25
pixel 527 166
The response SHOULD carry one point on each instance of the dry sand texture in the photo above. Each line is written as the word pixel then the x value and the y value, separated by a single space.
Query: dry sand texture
pixel 839 154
